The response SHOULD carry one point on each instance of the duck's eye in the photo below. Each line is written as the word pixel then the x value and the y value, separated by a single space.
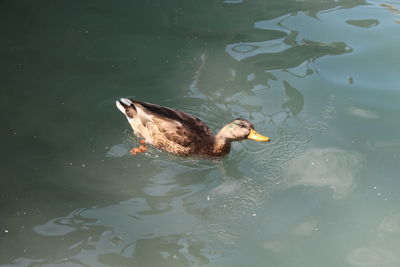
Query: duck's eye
pixel 240 124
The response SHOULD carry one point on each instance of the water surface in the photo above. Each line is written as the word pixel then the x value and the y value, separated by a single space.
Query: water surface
pixel 319 77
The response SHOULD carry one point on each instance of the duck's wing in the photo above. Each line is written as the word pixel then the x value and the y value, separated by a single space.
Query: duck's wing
pixel 176 126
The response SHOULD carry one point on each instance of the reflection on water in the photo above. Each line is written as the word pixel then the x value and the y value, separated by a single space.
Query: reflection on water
pixel 306 229
pixel 170 250
pixel 383 249
pixel 63 226
pixel 393 9
pixel 363 113
pixel 119 150
pixel 211 203
pixel 389 144
pixel 364 23
pixel 277 63
pixel 370 257
pixel 244 50
pixel 390 224
pixel 332 167
pixel 217 199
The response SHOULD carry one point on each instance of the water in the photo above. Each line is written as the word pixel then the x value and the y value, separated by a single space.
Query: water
pixel 319 77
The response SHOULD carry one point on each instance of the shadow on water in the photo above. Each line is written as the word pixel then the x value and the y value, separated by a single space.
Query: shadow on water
pixel 158 210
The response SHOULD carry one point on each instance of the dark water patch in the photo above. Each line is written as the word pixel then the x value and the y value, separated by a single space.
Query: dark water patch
pixel 365 23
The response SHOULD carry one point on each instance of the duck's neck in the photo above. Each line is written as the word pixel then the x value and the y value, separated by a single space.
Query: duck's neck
pixel 221 146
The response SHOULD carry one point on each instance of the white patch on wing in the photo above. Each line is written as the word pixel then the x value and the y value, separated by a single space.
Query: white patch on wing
pixel 120 107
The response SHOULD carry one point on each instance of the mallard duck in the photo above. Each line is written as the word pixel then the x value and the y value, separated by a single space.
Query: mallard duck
pixel 180 133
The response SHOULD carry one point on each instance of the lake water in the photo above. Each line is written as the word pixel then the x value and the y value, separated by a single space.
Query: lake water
pixel 321 78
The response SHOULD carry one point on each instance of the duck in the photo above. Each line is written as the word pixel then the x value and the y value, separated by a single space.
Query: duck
pixel 180 133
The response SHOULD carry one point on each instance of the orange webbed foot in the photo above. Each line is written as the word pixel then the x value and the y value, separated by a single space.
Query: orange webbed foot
pixel 142 148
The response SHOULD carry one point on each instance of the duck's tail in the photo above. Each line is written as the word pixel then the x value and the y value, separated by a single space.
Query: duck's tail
pixel 126 106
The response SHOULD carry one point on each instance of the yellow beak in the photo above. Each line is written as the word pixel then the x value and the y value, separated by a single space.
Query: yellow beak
pixel 253 135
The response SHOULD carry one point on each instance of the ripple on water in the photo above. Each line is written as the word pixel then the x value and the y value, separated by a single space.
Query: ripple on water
pixel 230 203
pixel 259 170
pixel 62 226
pixel 268 162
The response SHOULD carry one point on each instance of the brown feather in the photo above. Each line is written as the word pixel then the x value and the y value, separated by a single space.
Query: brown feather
pixel 178 132
pixel 174 131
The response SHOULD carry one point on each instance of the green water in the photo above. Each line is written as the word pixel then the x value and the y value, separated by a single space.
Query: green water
pixel 321 78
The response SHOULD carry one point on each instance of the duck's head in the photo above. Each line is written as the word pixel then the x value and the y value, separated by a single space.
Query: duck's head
pixel 241 129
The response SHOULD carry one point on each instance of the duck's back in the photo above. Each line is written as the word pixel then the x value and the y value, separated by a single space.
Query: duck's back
pixel 172 130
